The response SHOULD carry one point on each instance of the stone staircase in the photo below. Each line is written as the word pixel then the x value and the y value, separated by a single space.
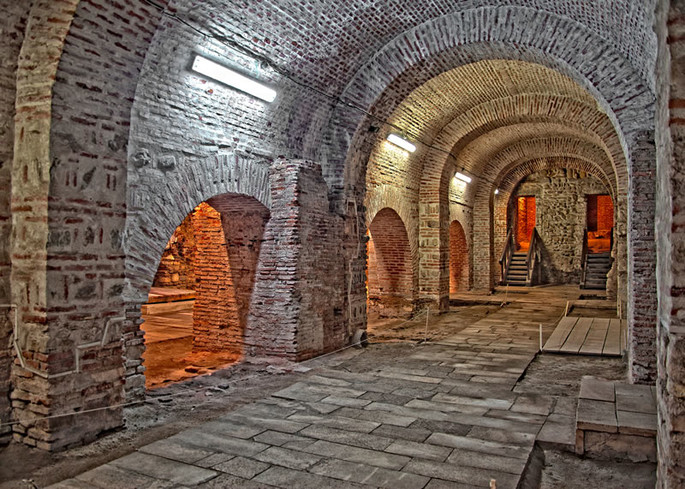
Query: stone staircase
pixel 518 271
pixel 597 266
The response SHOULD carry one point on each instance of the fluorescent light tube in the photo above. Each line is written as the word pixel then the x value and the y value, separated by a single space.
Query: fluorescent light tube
pixel 401 142
pixel 462 177
pixel 233 79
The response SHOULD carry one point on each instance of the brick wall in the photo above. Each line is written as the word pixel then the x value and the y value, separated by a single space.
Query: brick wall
pixel 12 27
pixel 176 268
pixel 459 259
pixel 390 271
pixel 670 133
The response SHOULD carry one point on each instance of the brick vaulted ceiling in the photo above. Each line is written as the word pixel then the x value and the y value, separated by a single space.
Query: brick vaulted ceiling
pixel 482 117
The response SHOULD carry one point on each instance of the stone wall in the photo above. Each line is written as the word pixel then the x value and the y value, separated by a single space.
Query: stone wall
pixel 561 216
pixel 670 132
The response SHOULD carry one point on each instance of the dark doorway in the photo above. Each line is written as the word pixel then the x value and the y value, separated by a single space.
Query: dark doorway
pixel 600 222
pixel 525 221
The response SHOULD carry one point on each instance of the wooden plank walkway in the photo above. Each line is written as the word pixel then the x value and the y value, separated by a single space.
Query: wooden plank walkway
pixel 587 336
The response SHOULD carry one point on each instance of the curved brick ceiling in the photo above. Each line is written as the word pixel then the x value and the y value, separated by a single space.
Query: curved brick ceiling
pixel 326 43
pixel 480 110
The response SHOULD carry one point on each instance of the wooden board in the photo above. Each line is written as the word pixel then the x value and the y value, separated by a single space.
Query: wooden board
pixel 575 340
pixel 612 346
pixel 560 334
pixel 594 342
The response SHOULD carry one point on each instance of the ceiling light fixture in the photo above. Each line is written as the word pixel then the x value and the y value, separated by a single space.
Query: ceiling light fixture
pixel 462 177
pixel 401 142
pixel 496 191
pixel 232 78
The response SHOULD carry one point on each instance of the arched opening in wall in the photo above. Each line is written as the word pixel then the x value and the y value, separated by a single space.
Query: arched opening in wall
pixel 459 259
pixel 600 223
pixel 195 317
pixel 566 204
pixel 389 269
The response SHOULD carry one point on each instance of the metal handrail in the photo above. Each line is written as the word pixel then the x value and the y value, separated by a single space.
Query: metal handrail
pixel 507 253
pixel 583 259
pixel 533 257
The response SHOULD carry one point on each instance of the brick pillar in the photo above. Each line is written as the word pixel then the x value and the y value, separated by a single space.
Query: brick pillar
pixel 670 131
pixel 642 294
pixel 299 305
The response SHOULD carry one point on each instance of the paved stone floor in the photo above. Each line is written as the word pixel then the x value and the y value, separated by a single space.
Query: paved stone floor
pixel 435 415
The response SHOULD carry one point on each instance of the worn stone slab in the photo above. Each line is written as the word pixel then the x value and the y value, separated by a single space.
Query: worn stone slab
pixel 479 445
pixel 376 416
pixel 369 475
pixel 535 419
pixel 162 468
pixel 233 426
pixel 443 484
pixel 291 459
pixel 360 455
pixel 419 450
pixel 225 481
pixel 468 475
pixel 283 439
pixel 345 401
pixel 339 422
pixel 502 436
pixel 487 461
pixel 242 467
pixel 220 443
pixel 408 377
pixel 326 380
pixel 243 425
pixel 596 416
pixel 636 404
pixel 405 411
pixel 177 450
pixel 633 423
pixel 487 403
pixel 446 407
pixel 443 426
pixel 109 475
pixel 72 484
pixel 533 404
pixel 353 438
pixel 303 391
pixel 418 434
pixel 596 389
pixel 214 459
pixel 284 477
pixel 558 432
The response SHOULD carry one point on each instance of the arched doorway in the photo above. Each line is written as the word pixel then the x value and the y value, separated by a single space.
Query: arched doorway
pixel 389 272
pixel 459 259
pixel 197 309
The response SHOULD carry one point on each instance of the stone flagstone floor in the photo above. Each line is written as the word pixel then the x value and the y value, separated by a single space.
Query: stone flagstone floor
pixel 439 415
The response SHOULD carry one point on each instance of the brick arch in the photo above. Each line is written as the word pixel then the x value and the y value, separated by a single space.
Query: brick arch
pixel 152 216
pixel 506 162
pixel 390 275
pixel 459 259
pixel 622 97
pixel 512 175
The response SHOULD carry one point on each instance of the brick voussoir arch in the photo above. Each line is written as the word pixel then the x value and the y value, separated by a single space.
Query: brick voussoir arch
pixel 389 197
pixel 489 33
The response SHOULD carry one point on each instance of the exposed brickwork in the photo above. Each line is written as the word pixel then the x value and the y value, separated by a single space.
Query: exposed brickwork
pixel 670 132
pixel 12 27
pixel 299 306
pixel 77 182
pixel 390 271
pixel 176 268
pixel 459 259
